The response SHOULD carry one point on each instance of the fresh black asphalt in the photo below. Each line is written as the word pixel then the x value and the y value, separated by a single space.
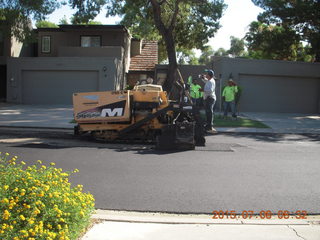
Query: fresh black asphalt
pixel 233 172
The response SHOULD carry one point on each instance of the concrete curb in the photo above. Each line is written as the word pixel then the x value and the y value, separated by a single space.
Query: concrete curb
pixel 167 218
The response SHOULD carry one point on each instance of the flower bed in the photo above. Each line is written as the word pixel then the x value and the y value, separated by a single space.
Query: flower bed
pixel 38 202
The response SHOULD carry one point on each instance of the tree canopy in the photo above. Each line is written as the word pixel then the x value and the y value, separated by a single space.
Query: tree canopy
pixel 184 24
pixel 302 16
pixel 236 47
pixel 272 42
pixel 207 52
pixel 86 10
pixel 187 57
pixel 17 14
pixel 46 24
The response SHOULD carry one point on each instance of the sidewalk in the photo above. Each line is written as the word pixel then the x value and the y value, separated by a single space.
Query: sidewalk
pixel 117 225
pixel 60 116
pixel 288 122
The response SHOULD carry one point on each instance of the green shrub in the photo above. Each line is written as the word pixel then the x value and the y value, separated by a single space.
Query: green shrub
pixel 38 202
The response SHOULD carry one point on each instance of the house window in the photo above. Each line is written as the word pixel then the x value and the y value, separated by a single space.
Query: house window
pixel 46 44
pixel 90 41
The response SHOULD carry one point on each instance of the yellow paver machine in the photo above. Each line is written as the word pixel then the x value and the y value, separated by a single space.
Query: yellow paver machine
pixel 144 113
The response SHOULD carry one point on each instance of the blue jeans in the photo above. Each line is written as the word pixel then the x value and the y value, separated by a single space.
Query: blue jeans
pixel 232 106
pixel 209 104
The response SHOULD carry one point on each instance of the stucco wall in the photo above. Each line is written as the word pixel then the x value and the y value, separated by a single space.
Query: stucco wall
pixel 106 70
pixel 73 39
pixel 115 52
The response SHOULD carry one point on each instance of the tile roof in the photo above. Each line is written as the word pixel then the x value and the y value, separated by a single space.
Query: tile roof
pixel 148 58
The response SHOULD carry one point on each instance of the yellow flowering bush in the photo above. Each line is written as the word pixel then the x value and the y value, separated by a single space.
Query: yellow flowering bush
pixel 38 202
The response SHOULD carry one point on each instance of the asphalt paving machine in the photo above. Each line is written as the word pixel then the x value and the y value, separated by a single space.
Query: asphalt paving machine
pixel 144 113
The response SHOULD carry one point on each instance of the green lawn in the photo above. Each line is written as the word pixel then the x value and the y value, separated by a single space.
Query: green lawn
pixel 219 121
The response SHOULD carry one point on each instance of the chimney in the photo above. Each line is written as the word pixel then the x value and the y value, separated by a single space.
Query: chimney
pixel 136 45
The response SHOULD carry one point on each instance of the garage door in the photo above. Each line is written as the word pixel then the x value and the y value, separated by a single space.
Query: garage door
pixel 56 87
pixel 279 94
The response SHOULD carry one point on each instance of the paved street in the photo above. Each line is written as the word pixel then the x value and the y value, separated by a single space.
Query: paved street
pixel 233 172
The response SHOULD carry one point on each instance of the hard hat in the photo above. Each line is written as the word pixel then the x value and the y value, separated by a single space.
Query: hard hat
pixel 209 72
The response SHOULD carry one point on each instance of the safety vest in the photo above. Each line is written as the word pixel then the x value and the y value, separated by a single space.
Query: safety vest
pixel 229 92
pixel 195 91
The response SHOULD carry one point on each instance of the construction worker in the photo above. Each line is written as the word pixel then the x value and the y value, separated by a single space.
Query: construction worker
pixel 209 96
pixel 195 92
pixel 229 96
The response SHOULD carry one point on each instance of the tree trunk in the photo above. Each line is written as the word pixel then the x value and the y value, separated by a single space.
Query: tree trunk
pixel 167 34
pixel 169 85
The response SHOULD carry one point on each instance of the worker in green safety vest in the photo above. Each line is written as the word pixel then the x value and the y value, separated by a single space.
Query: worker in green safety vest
pixel 229 95
pixel 195 92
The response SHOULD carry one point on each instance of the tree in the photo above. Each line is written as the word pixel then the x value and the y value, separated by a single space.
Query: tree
pixel 186 56
pixel 221 52
pixel 64 20
pixel 179 23
pixel 302 16
pixel 17 14
pixel 46 24
pixel 236 47
pixel 76 21
pixel 73 20
pixel 207 52
pixel 86 10
pixel 273 42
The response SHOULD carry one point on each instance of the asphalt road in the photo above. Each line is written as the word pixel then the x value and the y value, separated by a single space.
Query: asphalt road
pixel 233 172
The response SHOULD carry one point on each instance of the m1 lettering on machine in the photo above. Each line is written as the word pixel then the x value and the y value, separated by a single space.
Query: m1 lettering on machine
pixel 110 110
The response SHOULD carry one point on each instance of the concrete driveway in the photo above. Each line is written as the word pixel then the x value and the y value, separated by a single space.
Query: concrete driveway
pixel 44 116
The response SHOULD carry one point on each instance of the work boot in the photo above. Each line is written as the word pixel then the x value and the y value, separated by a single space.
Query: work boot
pixel 212 130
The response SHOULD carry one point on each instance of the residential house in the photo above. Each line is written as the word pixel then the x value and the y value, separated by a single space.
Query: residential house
pixel 72 58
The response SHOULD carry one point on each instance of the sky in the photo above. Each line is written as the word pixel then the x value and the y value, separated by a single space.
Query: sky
pixel 235 21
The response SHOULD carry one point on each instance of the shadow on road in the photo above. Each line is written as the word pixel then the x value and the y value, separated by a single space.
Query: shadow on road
pixel 138 149
pixel 40 145
pixel 64 141
pixel 277 137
